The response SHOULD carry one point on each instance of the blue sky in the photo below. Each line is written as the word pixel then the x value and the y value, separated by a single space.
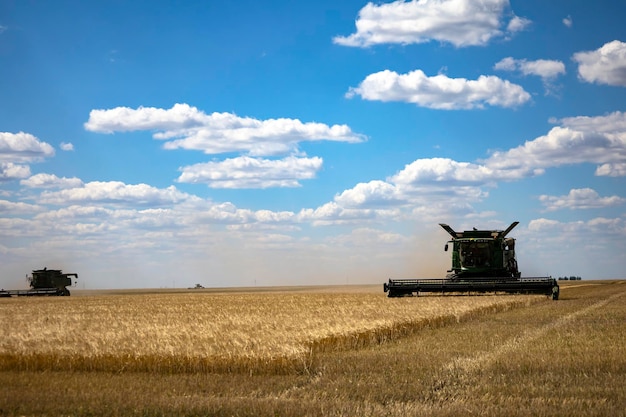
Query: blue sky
pixel 160 144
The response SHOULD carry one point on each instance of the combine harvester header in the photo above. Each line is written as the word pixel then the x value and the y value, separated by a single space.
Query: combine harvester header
pixel 482 261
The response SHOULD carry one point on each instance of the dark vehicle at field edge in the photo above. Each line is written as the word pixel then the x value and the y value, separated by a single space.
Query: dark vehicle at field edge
pixel 44 282
pixel 482 261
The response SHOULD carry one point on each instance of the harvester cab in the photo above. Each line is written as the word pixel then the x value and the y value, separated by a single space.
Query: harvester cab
pixel 482 261
pixel 482 253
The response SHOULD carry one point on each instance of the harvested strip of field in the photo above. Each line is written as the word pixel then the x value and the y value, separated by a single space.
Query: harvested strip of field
pixel 234 332
pixel 481 361
pixel 459 375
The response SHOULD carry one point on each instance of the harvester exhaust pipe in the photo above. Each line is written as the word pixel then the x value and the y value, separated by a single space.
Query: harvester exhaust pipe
pixel 506 232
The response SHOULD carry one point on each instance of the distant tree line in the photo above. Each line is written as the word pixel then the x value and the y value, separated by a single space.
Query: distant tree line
pixel 572 278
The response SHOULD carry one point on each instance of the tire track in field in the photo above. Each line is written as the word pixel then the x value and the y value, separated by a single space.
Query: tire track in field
pixel 480 361
pixel 458 370
pixel 578 285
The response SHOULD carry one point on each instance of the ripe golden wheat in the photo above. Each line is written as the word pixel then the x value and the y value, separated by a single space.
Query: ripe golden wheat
pixel 233 332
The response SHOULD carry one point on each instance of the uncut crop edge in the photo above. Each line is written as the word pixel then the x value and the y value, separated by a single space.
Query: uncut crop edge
pixel 399 330
pixel 234 364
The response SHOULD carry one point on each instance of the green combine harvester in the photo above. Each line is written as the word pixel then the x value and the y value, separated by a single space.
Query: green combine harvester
pixel 482 261
pixel 44 282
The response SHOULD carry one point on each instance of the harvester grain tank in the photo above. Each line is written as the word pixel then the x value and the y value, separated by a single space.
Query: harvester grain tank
pixel 482 261
pixel 45 282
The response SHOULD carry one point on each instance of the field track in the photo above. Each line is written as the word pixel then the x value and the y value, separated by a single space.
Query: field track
pixel 548 358
pixel 511 346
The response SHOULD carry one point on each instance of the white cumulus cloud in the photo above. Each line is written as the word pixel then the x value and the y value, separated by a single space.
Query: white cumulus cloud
pixel 23 147
pixel 372 194
pixel 458 22
pixel 615 169
pixel 597 230
pixel 11 207
pixel 115 192
pixel 334 213
pixel 517 24
pixel 606 65
pixel 547 70
pixel 600 140
pixel 51 181
pixel 186 127
pixel 125 119
pixel 440 91
pixel 247 172
pixel 423 186
pixel 567 21
pixel 580 198
pixel 544 68
pixel 10 171
pixel 429 183
pixel 442 170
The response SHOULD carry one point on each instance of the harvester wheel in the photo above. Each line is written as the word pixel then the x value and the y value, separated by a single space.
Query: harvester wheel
pixel 555 292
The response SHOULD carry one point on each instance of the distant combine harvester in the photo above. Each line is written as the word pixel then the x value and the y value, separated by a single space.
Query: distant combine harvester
pixel 44 282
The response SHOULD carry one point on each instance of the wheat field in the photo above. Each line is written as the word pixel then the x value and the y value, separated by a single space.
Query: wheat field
pixel 315 352
pixel 273 332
